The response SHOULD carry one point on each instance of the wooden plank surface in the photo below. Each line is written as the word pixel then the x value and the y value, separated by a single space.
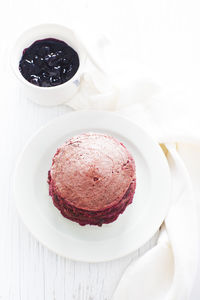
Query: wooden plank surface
pixel 29 270
pixel 161 34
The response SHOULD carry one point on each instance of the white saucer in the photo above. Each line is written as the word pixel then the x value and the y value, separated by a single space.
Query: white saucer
pixel 92 243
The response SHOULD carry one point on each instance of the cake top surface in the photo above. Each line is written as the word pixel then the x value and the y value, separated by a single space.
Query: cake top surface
pixel 92 171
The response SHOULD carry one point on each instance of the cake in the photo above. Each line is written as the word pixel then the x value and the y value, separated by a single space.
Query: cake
pixel 92 179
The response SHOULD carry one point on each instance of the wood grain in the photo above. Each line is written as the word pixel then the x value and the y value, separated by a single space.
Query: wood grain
pixel 28 270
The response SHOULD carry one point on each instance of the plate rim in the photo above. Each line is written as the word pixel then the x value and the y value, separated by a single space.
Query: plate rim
pixel 154 228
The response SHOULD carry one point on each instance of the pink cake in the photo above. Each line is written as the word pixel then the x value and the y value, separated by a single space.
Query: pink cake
pixel 92 179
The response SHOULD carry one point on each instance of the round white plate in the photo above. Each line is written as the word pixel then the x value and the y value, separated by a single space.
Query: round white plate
pixel 131 230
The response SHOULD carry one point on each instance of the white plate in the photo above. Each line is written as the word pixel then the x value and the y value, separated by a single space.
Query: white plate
pixel 92 243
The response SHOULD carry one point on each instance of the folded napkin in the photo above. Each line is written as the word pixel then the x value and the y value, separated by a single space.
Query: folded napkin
pixel 167 271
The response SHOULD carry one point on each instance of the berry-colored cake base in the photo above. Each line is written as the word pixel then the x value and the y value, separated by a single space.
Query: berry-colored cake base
pixel 92 179
pixel 84 217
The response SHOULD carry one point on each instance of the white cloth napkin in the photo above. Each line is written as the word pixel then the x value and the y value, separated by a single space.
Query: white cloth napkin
pixel 168 270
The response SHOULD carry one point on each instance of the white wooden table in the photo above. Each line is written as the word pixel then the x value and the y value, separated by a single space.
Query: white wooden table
pixel 30 270
pixel 165 39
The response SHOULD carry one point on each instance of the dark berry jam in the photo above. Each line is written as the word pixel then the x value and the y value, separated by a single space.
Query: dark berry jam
pixel 48 62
